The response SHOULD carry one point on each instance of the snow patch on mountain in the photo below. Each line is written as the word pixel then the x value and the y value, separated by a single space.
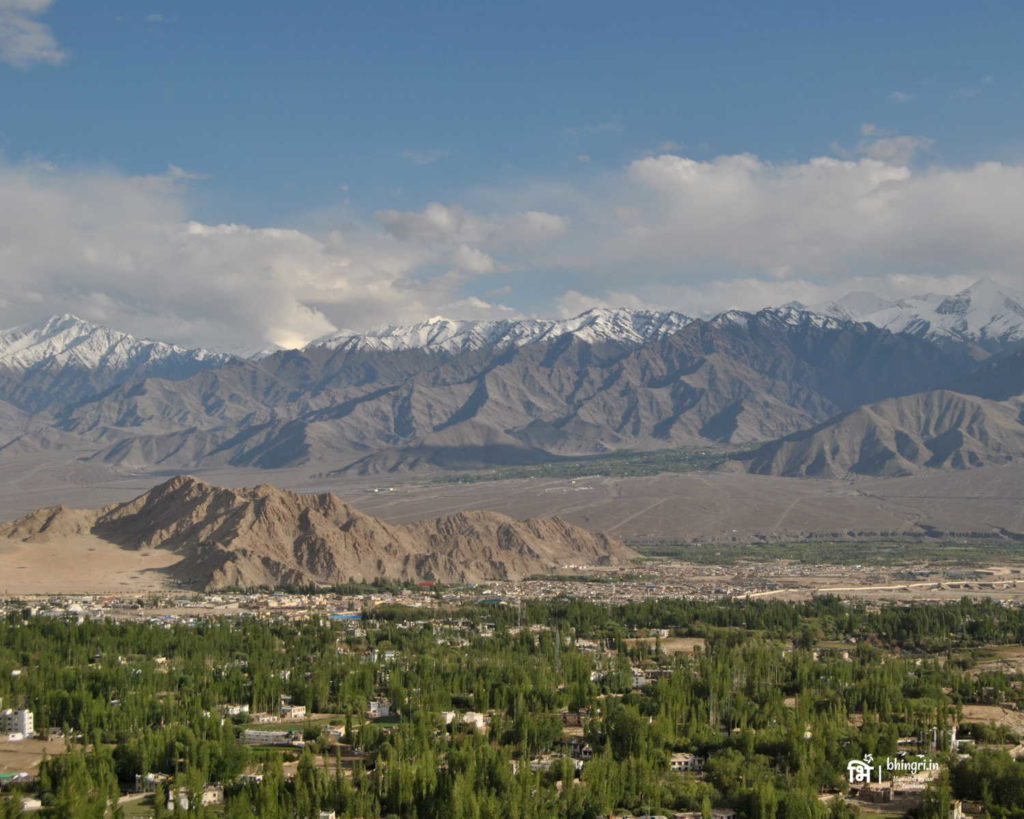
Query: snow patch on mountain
pixel 790 315
pixel 987 313
pixel 68 341
pixel 450 335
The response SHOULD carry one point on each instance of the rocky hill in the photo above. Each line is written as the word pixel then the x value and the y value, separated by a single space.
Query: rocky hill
pixel 263 536
pixel 899 436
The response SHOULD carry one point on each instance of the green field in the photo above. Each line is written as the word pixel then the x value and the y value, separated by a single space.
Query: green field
pixel 625 464
pixel 845 553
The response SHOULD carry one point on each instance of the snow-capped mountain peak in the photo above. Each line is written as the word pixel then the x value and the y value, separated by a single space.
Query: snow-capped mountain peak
pixel 67 340
pixel 792 314
pixel 987 313
pixel 852 305
pixel 451 335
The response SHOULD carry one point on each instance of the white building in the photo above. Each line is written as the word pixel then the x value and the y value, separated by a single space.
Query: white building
pixel 252 736
pixel 211 795
pixel 640 678
pixel 686 762
pixel 293 711
pixel 262 719
pixel 379 707
pixel 474 718
pixel 147 783
pixel 17 721
pixel 578 748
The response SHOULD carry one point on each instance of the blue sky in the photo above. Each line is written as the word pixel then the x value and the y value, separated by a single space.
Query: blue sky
pixel 345 121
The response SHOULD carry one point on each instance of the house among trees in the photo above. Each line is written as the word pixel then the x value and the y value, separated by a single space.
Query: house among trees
pixel 473 718
pixel 686 762
pixel 578 748
pixel 379 708
pixel 289 711
pixel 210 795
pixel 146 783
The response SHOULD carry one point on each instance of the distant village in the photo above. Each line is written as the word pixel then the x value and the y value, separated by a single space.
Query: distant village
pixel 667 579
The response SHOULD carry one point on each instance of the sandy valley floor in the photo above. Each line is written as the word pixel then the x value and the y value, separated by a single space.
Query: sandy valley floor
pixel 82 565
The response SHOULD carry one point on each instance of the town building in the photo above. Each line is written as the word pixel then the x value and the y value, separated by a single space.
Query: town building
pixel 474 719
pixel 686 762
pixel 577 748
pixel 210 795
pixel 378 708
pixel 146 783
pixel 251 736
pixel 17 721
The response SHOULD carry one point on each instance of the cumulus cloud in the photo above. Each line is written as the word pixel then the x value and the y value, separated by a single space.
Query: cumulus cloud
pixel 752 293
pixel 675 217
pixel 665 231
pixel 739 231
pixel 122 250
pixel 897 149
pixel 439 224
pixel 24 41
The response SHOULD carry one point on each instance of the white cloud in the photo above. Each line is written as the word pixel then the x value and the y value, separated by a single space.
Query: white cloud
pixel 573 302
pixel 666 231
pixel 752 293
pixel 24 41
pixel 121 250
pixel 472 260
pixel 738 231
pixel 900 96
pixel 671 217
pixel 439 224
pixel 174 172
pixel 894 149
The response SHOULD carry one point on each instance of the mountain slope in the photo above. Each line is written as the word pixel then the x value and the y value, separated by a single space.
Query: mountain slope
pixel 65 359
pixel 740 378
pixel 985 313
pixel 899 436
pixel 999 378
pixel 266 536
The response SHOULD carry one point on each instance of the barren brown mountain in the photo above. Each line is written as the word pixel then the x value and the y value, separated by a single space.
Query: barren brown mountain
pixel 739 378
pixel 936 429
pixel 264 536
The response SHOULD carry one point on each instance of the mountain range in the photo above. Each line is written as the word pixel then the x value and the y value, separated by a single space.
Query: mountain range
pixel 898 436
pixel 443 393
pixel 985 313
pixel 264 536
